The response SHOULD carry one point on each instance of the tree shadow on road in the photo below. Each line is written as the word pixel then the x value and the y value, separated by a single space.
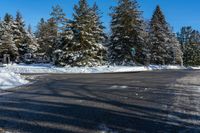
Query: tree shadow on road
pixel 77 107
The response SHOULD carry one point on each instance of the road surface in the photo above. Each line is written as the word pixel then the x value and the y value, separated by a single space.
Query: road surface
pixel 141 102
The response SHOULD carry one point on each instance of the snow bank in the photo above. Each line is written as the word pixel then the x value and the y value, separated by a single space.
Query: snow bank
pixel 10 80
pixel 194 68
pixel 47 68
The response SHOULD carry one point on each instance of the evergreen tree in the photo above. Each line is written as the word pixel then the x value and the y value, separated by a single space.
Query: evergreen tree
pixel 31 44
pixel 163 43
pixel 47 36
pixel 7 45
pixel 25 41
pixel 184 36
pixel 81 46
pixel 99 28
pixel 57 22
pixel 158 38
pixel 190 42
pixel 30 29
pixel 40 35
pixel 61 54
pixel 8 18
pixel 177 54
pixel 58 16
pixel 18 31
pixel 127 33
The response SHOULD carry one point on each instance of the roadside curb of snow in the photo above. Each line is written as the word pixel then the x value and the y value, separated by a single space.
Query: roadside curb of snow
pixel 10 80
pixel 49 69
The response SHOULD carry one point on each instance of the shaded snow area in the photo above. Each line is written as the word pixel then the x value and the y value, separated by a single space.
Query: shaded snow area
pixel 47 68
pixel 10 80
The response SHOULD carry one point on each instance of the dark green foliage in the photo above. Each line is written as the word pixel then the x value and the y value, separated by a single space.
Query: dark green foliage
pixel 58 16
pixel 7 45
pixel 127 32
pixel 82 38
pixel 47 36
pixel 190 42
pixel 164 46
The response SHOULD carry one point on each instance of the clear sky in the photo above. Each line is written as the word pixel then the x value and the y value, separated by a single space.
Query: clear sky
pixel 178 12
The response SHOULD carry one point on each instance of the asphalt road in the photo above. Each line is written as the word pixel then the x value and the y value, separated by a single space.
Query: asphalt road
pixel 142 102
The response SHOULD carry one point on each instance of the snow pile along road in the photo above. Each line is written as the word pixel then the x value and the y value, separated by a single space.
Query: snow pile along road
pixel 47 68
pixel 10 80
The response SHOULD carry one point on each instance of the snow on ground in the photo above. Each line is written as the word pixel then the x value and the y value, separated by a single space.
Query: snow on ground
pixel 10 80
pixel 104 129
pixel 118 87
pixel 194 68
pixel 47 68
pixel 10 74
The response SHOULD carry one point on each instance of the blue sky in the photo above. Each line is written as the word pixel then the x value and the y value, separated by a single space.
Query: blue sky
pixel 178 12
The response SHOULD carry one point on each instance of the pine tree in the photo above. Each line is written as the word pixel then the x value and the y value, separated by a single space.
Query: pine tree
pixel 31 44
pixel 7 45
pixel 58 16
pixel 99 35
pixel 190 42
pixel 25 41
pixel 40 35
pixel 57 23
pixel 99 28
pixel 18 31
pixel 47 36
pixel 177 54
pixel 82 48
pixel 29 29
pixel 8 18
pixel 61 54
pixel 127 33
pixel 163 43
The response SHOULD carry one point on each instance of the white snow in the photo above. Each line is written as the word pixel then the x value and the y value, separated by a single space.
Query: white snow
pixel 10 80
pixel 10 74
pixel 104 129
pixel 118 87
pixel 47 68
pixel 195 68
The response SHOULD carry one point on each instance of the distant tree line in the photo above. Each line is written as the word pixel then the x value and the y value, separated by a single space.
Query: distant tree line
pixel 82 41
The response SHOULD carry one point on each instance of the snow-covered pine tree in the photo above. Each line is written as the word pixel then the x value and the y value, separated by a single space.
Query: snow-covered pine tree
pixel 40 33
pixel 18 31
pixel 65 53
pixel 25 41
pixel 61 54
pixel 159 37
pixel 46 35
pixel 30 29
pixel 176 51
pixel 59 17
pixel 99 28
pixel 99 34
pixel 162 41
pixel 184 36
pixel 190 42
pixel 127 33
pixel 8 18
pixel 7 45
pixel 31 44
pixel 82 47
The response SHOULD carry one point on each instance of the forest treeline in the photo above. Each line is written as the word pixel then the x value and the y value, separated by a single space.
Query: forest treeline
pixel 82 41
